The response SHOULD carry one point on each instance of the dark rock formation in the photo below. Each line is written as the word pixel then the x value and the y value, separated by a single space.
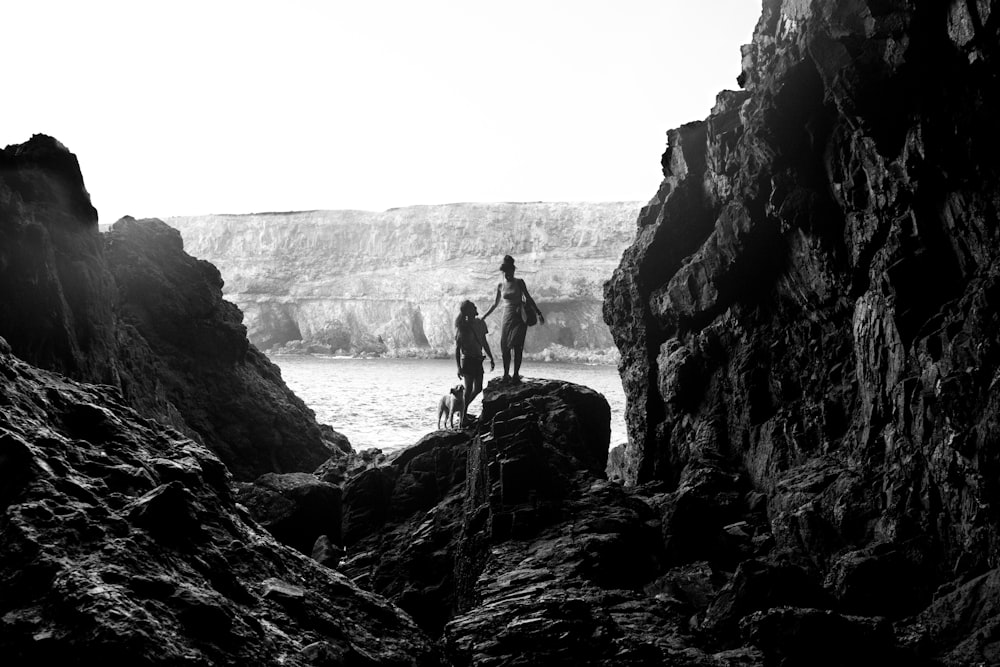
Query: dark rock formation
pixel 227 391
pixel 297 508
pixel 508 542
pixel 55 290
pixel 808 325
pixel 809 315
pixel 133 310
pixel 402 522
pixel 121 543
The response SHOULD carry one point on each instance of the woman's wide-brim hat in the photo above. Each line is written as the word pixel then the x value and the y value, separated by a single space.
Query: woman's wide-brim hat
pixel 508 263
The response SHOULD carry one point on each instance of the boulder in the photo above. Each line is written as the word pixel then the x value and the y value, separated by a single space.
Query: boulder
pixel 803 636
pixel 296 508
pixel 575 419
pixel 402 521
pixel 414 480
pixel 891 580
pixel 756 586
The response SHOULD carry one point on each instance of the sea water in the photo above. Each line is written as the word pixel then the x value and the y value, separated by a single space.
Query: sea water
pixel 392 403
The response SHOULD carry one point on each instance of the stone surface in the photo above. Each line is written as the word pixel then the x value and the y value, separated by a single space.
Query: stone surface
pixel 402 522
pixel 228 392
pixel 132 310
pixel 809 310
pixel 297 508
pixel 121 542
pixel 56 294
pixel 346 280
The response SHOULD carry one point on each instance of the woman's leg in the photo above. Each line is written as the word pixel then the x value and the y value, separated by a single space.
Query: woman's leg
pixel 505 353
pixel 517 362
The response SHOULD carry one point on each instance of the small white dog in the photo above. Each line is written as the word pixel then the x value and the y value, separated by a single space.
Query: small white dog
pixel 452 403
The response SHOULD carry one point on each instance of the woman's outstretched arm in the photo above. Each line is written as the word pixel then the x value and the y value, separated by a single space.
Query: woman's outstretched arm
pixel 496 302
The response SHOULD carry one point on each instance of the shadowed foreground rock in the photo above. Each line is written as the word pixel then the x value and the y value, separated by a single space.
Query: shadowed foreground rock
pixel 505 542
pixel 808 324
pixel 120 543
pixel 524 555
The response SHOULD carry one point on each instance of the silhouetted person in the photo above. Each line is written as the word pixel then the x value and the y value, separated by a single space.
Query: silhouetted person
pixel 470 342
pixel 513 328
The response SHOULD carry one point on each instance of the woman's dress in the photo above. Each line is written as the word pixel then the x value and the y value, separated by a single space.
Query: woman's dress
pixel 512 327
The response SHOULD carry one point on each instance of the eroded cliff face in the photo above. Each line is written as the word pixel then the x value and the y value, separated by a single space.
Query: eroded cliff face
pixel 810 305
pixel 131 309
pixel 340 280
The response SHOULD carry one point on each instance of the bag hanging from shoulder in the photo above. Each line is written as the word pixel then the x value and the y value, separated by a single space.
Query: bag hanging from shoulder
pixel 528 315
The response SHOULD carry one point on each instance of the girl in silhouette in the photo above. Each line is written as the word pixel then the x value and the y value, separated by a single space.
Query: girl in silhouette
pixel 470 343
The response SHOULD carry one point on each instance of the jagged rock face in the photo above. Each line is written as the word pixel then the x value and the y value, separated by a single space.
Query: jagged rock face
pixel 812 295
pixel 131 309
pixel 55 293
pixel 505 540
pixel 121 543
pixel 341 279
pixel 229 393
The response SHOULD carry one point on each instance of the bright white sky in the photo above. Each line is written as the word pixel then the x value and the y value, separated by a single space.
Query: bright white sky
pixel 219 106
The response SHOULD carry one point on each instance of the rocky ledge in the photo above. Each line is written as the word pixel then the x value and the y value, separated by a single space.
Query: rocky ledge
pixel 121 543
pixel 507 543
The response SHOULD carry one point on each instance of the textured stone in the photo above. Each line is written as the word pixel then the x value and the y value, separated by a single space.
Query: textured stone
pixel 98 564
pixel 229 393
pixel 296 508
pixel 810 306
pixel 130 309
pixel 346 280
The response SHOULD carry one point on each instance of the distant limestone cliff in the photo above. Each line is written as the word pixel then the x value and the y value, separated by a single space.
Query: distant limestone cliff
pixel 358 281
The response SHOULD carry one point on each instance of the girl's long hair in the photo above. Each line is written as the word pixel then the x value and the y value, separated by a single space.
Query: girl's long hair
pixel 463 319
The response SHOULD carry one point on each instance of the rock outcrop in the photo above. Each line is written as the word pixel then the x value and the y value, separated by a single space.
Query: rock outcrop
pixel 228 393
pixel 808 315
pixel 121 543
pixel 131 309
pixel 358 281
pixel 507 541
pixel 56 293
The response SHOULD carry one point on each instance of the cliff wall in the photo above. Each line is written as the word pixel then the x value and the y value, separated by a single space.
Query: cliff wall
pixel 342 279
pixel 811 301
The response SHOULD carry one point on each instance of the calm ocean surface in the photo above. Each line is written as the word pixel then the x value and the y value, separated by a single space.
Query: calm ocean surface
pixel 392 403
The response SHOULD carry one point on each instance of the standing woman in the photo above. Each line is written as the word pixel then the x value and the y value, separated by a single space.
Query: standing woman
pixel 513 328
